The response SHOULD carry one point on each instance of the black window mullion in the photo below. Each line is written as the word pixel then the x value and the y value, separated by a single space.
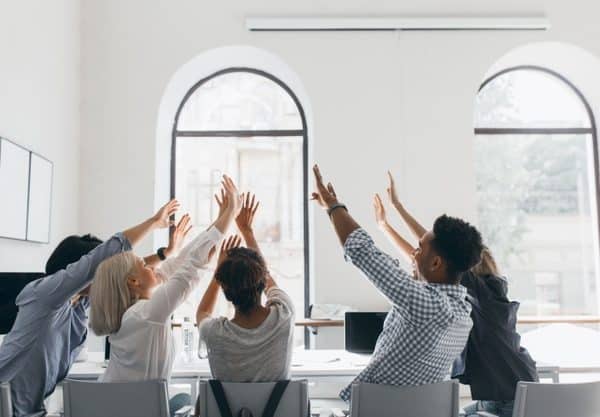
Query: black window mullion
pixel 533 131
pixel 238 133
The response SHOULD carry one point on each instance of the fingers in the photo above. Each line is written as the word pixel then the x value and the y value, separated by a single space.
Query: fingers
pixel 172 203
pixel 330 189
pixel 230 243
pixel 317 173
pixel 318 178
pixel 172 207
pixel 391 178
pixel 183 222
pixel 229 184
pixel 378 200
pixel 255 208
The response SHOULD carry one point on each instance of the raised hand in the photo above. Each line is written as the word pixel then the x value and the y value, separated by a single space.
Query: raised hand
pixel 178 235
pixel 231 242
pixel 246 217
pixel 161 218
pixel 233 196
pixel 222 202
pixel 391 190
pixel 325 196
pixel 379 211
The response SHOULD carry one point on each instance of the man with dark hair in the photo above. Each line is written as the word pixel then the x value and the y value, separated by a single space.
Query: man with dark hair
pixel 429 323
pixel 70 250
pixel 51 325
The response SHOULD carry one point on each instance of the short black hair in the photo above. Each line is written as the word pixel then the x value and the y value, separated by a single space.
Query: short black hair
pixel 70 250
pixel 458 243
pixel 242 275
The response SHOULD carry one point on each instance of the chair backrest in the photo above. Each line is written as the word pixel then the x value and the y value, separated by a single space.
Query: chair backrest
pixel 254 396
pixel 557 400
pixel 433 400
pixel 5 400
pixel 116 399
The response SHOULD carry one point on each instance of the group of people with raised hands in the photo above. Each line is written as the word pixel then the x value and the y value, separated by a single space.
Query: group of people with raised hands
pixel 451 312
pixel 131 299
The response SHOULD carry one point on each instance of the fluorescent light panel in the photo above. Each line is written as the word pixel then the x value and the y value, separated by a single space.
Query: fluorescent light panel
pixel 394 23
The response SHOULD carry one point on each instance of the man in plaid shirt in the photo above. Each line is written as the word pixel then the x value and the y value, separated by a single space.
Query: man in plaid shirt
pixel 429 323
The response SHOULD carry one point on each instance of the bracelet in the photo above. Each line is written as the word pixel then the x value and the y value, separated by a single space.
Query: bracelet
pixel 161 253
pixel 336 206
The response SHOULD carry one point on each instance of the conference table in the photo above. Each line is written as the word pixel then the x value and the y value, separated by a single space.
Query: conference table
pixel 314 365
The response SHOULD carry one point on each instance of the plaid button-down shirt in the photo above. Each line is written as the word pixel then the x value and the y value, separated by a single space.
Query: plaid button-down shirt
pixel 426 329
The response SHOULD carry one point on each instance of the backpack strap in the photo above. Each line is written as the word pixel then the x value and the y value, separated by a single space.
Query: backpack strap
pixel 219 394
pixel 275 398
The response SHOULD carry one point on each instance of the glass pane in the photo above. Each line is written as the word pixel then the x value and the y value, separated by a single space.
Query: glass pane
pixel 272 168
pixel 536 212
pixel 239 101
pixel 528 99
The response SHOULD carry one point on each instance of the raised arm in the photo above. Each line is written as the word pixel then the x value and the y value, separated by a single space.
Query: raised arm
pixel 171 294
pixel 406 249
pixel 173 251
pixel 395 283
pixel 415 227
pixel 158 221
pixel 209 299
pixel 56 289
pixel 244 223
pixel 343 223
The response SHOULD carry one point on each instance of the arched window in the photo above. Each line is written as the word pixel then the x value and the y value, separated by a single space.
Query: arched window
pixel 250 125
pixel 536 179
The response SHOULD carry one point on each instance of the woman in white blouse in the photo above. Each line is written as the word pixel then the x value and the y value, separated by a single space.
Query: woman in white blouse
pixel 133 303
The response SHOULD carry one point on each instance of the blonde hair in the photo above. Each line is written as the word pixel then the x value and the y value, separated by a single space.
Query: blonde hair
pixel 109 294
pixel 487 265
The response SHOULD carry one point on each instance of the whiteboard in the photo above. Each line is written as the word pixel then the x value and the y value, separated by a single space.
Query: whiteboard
pixel 40 199
pixel 14 184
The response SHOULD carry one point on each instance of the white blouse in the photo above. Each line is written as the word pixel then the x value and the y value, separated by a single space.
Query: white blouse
pixel 144 347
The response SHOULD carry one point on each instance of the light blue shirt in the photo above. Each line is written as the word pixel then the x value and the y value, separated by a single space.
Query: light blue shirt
pixel 49 331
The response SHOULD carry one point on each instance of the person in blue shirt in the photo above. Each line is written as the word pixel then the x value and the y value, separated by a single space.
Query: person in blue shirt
pixel 51 324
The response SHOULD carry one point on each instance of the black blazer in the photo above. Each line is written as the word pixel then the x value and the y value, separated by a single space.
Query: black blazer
pixel 493 360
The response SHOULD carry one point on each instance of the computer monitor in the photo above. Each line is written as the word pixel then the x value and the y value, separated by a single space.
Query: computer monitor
pixel 362 330
pixel 11 284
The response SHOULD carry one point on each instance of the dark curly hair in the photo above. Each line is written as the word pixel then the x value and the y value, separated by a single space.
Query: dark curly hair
pixel 70 250
pixel 242 276
pixel 458 243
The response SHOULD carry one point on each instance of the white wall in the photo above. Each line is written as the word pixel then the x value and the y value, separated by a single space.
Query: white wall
pixel 409 96
pixel 39 109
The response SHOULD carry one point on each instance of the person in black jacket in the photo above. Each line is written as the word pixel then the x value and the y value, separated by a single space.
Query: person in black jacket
pixel 493 360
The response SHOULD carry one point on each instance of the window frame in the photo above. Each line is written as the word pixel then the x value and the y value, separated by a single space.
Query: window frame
pixel 592 130
pixel 175 133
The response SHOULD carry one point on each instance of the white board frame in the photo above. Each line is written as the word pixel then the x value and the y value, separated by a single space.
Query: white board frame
pixel 39 202
pixel 25 184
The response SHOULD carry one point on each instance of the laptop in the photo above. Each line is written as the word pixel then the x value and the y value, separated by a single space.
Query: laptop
pixel 362 330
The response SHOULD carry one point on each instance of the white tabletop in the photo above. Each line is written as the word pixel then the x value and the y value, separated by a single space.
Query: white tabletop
pixel 305 364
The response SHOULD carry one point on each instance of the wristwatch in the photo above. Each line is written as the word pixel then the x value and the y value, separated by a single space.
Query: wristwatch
pixel 161 253
pixel 336 206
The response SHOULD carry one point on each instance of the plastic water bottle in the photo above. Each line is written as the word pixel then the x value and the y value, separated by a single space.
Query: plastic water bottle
pixel 188 330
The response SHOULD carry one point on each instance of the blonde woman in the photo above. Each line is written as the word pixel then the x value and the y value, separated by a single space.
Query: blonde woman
pixel 133 304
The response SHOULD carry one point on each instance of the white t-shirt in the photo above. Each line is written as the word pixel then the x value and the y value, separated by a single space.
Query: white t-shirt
pixel 144 347
pixel 262 354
